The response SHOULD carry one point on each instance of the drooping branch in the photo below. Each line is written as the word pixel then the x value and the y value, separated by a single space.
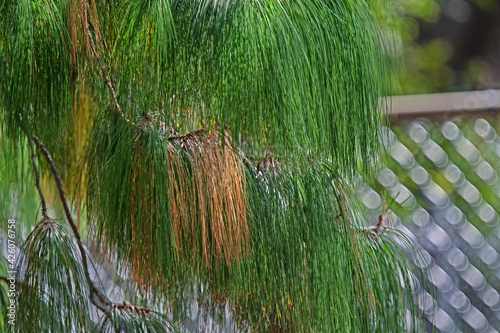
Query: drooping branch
pixel 37 180
pixel 62 195
pixel 105 304
pixel 107 80
pixel 112 90
pixel 72 224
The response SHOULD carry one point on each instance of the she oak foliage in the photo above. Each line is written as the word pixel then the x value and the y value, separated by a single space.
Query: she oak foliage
pixel 206 150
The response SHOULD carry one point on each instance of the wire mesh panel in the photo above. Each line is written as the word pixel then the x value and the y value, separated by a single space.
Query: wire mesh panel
pixel 440 182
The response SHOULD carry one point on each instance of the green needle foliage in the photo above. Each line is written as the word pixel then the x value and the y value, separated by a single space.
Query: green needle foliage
pixel 36 63
pixel 223 140
pixel 307 265
pixel 54 294
pixel 273 71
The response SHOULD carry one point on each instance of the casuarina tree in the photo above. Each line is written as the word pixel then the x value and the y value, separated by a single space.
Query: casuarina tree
pixel 207 151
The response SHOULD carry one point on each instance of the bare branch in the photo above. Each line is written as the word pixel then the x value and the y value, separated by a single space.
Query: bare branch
pixel 37 180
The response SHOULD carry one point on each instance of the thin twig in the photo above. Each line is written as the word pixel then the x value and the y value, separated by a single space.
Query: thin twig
pixel 187 135
pixel 374 230
pixel 103 68
pixel 37 180
pixel 378 225
pixel 106 78
pixel 389 218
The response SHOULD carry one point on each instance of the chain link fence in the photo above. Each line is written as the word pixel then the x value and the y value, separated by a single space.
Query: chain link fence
pixel 440 180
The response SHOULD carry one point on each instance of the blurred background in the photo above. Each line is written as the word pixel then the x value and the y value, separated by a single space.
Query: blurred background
pixel 445 45
pixel 440 175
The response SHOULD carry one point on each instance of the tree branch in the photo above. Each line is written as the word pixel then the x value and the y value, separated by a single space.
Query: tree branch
pixel 37 180
pixel 104 301
pixel 96 292
pixel 106 78
pixel 187 135
pixel 103 68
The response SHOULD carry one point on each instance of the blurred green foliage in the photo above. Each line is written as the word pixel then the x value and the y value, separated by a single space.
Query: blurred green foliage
pixel 422 56
pixel 18 197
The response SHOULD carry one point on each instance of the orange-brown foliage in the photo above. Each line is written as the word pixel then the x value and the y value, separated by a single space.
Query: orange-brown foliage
pixel 207 204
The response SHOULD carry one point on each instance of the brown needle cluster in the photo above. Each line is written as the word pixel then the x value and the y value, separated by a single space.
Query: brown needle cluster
pixel 207 201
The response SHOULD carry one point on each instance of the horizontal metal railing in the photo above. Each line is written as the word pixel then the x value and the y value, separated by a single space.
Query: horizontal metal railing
pixel 444 106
